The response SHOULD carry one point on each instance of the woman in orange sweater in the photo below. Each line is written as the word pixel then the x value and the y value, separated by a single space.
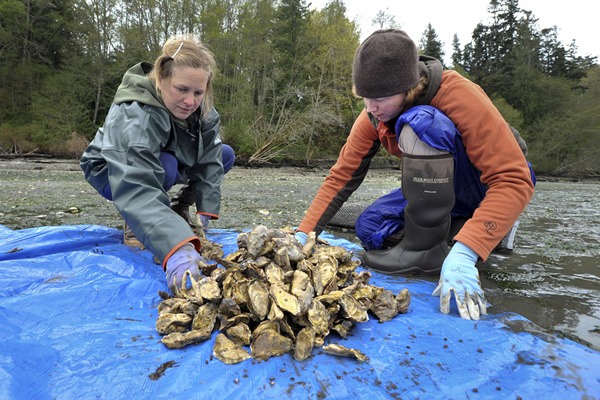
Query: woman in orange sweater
pixel 465 179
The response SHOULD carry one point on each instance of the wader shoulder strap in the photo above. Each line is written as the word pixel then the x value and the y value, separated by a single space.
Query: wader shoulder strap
pixel 519 140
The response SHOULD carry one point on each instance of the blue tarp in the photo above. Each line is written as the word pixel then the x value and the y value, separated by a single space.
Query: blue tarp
pixel 78 312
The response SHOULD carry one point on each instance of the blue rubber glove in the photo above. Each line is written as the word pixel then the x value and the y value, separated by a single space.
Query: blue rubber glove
pixel 460 275
pixel 301 237
pixel 182 263
pixel 204 219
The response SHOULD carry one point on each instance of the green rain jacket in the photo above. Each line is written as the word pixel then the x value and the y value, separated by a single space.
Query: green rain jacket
pixel 125 154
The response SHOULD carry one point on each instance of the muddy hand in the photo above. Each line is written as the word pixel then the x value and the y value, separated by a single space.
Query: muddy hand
pixel 459 275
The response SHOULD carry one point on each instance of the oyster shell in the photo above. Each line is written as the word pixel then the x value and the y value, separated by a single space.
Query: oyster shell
pixel 205 318
pixel 274 274
pixel 275 296
pixel 309 246
pixel 284 299
pixel 227 351
pixel 275 313
pixel 208 288
pixel 385 306
pixel 302 289
pixel 403 301
pixel 227 322
pixel 324 272
pixel 178 340
pixel 259 300
pixel 210 250
pixel 240 334
pixel 270 343
pixel 305 342
pixel 169 323
pixel 235 286
pixel 229 308
pixel 291 246
pixel 318 316
pixel 342 327
pixel 353 309
pixel 177 305
pixel 339 350
pixel 255 241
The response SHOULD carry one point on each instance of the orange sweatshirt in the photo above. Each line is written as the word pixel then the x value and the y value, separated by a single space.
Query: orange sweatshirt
pixel 490 145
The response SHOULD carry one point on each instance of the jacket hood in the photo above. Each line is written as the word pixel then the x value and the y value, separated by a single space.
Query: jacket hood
pixel 136 86
pixel 432 68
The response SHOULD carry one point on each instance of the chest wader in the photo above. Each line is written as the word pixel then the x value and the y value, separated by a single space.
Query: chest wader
pixel 181 203
pixel 428 187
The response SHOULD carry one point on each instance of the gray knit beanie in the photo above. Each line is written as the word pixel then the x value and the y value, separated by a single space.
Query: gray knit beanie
pixel 385 64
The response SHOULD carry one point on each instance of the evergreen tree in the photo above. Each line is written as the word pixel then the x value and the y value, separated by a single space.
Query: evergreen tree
pixel 291 46
pixel 492 55
pixel 457 54
pixel 35 38
pixel 283 88
pixel 430 45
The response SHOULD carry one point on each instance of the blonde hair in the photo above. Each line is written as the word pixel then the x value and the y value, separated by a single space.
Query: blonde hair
pixel 187 51
pixel 415 92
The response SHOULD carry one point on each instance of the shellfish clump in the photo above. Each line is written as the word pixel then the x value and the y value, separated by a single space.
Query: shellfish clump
pixel 275 296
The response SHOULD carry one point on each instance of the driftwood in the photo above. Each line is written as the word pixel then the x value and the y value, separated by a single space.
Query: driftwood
pixel 25 155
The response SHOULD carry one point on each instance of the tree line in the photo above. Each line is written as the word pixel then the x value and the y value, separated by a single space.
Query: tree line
pixel 285 74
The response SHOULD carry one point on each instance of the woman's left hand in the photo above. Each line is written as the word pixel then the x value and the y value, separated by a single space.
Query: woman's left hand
pixel 459 275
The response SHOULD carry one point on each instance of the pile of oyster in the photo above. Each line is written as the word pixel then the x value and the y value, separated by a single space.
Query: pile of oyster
pixel 275 296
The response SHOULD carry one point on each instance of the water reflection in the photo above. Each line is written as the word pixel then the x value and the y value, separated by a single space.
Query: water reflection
pixel 553 276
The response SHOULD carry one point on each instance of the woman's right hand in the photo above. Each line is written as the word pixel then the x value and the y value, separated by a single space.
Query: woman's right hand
pixel 301 237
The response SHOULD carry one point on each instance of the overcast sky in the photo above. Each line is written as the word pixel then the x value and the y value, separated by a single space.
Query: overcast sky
pixel 573 18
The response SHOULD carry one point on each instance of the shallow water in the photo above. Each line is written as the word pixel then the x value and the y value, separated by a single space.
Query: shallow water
pixel 552 277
